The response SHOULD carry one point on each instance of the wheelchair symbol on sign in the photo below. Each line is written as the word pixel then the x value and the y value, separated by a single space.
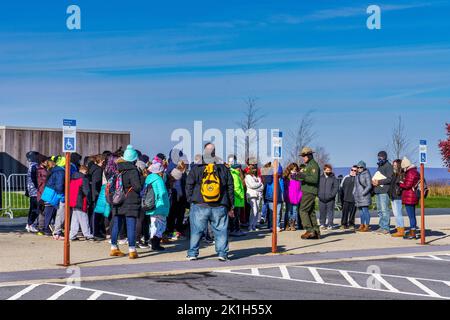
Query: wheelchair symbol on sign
pixel 69 144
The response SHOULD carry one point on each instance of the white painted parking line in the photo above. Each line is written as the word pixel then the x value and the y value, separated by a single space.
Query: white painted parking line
pixel 350 280
pixel 316 275
pixel 101 291
pixel 95 295
pixel 255 272
pixel 19 294
pixel 284 272
pixel 66 288
pixel 384 282
pixel 347 275
pixel 429 257
pixel 424 287
pixel 60 293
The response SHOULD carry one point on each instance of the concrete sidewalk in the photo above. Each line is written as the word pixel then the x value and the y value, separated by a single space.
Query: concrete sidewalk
pixel 23 251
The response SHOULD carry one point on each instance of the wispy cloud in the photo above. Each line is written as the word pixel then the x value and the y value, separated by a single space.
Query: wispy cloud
pixel 342 12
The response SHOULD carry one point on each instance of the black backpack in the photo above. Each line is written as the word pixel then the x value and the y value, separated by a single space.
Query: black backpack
pixel 148 201
pixel 416 189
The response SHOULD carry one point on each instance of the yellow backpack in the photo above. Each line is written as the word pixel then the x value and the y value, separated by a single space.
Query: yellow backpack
pixel 210 188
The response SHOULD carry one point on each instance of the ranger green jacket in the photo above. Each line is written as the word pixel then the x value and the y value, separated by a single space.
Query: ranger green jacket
pixel 310 177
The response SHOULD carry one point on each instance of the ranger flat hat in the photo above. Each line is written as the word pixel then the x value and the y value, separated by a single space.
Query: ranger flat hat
pixel 306 151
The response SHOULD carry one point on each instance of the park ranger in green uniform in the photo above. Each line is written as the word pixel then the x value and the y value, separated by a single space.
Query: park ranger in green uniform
pixel 309 177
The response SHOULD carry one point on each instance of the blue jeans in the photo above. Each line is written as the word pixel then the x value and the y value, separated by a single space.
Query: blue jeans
pixel 411 211
pixel 264 209
pixel 397 210
pixel 199 216
pixel 365 215
pixel 383 211
pixel 291 211
pixel 270 214
pixel 131 230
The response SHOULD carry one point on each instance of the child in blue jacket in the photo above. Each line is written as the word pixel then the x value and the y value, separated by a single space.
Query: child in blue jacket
pixel 158 216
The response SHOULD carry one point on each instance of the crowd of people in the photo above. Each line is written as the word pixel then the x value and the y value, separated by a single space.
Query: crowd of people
pixel 126 197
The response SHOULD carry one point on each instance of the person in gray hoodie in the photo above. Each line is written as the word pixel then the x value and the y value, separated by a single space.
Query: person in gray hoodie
pixel 362 194
pixel 328 188
pixel 381 189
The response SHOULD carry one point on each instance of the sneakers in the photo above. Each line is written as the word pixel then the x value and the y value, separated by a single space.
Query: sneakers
pixel 330 227
pixel 191 258
pixel 223 259
pixel 143 245
pixel 323 228
pixel 31 228
pixel 123 241
pixel 382 231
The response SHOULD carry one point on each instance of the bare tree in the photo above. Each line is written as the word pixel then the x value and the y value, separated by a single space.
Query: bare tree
pixel 400 145
pixel 302 136
pixel 252 116
pixel 321 156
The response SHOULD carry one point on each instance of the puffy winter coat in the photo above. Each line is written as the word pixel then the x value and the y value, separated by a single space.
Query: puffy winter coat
pixel 328 187
pixel 347 186
pixel 292 191
pixel 102 206
pixel 239 192
pixel 32 183
pixel 131 178
pixel 254 186
pixel 95 179
pixel 412 177
pixel 362 189
pixel 79 191
pixel 268 189
pixel 42 175
pixel 162 203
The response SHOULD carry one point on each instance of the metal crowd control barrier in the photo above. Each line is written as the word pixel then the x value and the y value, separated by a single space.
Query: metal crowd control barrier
pixel 16 199
pixel 4 196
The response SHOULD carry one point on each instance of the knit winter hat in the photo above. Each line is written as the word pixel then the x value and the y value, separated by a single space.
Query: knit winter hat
pixel 156 167
pixel 405 163
pixel 130 154
pixel 362 164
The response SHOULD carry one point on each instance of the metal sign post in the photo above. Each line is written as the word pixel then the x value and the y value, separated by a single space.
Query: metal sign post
pixel 69 146
pixel 423 161
pixel 277 144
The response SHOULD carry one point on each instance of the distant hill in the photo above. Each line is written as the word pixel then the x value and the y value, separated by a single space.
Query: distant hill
pixel 431 174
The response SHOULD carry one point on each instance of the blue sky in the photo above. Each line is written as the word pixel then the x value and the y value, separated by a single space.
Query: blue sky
pixel 151 67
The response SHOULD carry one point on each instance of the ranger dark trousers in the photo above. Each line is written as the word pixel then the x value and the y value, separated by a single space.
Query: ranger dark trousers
pixel 308 213
pixel 348 214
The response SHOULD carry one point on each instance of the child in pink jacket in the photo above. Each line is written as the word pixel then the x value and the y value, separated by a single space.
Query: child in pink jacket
pixel 292 195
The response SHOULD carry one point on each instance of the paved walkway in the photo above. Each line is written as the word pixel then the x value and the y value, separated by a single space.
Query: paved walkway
pixel 27 256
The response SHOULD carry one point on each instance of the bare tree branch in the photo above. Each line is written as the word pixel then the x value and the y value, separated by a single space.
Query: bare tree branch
pixel 400 145
pixel 251 119
pixel 322 156
pixel 301 136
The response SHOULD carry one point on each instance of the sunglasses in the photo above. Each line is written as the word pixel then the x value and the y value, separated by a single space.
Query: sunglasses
pixel 354 170
pixel 360 167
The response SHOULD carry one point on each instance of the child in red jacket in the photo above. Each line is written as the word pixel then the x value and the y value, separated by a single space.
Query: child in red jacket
pixel 78 201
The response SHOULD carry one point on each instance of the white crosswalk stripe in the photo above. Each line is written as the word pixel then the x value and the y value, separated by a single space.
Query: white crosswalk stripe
pixel 440 258
pixel 95 294
pixel 19 294
pixel 349 279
